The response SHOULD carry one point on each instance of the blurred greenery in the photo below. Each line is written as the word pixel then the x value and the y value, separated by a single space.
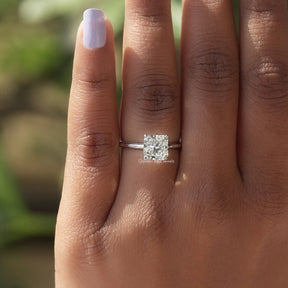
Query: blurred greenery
pixel 36 55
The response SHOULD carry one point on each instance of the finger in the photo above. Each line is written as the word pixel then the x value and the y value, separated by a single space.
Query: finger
pixel 264 100
pixel 150 80
pixel 151 100
pixel 92 166
pixel 210 89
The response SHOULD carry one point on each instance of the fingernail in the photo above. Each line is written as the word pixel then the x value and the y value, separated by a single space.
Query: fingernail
pixel 94 34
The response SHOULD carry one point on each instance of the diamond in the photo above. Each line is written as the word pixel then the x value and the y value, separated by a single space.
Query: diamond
pixel 155 147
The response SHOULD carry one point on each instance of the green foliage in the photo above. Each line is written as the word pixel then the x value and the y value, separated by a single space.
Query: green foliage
pixel 176 8
pixel 34 11
pixel 7 6
pixel 114 9
pixel 4 283
pixel 16 222
pixel 35 53
pixel 9 194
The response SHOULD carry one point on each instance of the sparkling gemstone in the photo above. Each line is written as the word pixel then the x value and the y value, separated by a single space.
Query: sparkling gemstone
pixel 155 147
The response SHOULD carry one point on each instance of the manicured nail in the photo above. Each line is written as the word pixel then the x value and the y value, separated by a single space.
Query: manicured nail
pixel 94 34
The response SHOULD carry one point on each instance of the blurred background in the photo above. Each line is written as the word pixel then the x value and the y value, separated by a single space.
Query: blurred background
pixel 36 52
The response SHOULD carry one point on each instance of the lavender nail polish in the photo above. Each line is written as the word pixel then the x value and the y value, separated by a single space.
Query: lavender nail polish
pixel 94 33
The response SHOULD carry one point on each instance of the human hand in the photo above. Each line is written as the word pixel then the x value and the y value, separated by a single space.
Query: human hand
pixel 215 214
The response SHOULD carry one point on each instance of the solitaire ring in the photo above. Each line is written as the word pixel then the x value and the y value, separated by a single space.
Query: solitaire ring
pixel 155 147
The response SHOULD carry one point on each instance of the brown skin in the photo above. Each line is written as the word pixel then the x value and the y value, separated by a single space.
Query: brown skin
pixel 216 215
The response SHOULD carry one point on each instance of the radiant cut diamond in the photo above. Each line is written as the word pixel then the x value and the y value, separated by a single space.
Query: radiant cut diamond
pixel 155 147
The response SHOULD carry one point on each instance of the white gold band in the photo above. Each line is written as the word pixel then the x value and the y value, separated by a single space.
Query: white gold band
pixel 140 146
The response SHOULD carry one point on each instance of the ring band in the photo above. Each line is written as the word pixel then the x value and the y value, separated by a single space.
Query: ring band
pixel 140 146
pixel 155 147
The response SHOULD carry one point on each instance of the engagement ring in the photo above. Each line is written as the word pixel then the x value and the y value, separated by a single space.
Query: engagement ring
pixel 155 147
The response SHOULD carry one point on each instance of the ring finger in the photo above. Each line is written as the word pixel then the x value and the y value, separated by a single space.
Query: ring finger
pixel 151 98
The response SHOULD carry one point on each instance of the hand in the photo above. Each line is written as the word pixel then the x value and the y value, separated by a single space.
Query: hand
pixel 216 213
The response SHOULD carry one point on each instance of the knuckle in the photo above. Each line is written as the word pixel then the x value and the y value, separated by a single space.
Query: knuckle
pixel 153 14
pixel 213 70
pixel 264 201
pixel 146 220
pixel 263 6
pixel 96 149
pixel 154 97
pixel 214 204
pixel 88 245
pixel 210 201
pixel 147 231
pixel 151 222
pixel 268 79
pixel 148 19
pixel 149 228
pixel 94 241
pixel 83 242
pixel 100 82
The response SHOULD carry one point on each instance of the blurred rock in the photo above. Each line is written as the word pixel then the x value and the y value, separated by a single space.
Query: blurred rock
pixel 7 92
pixel 28 265
pixel 35 148
pixel 50 99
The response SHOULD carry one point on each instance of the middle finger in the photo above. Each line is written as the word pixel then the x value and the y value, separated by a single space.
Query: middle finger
pixel 210 88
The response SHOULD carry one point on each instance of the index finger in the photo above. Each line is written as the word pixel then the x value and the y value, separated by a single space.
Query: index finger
pixel 92 165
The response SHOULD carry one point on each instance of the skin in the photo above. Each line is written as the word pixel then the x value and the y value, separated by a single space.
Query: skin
pixel 215 215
